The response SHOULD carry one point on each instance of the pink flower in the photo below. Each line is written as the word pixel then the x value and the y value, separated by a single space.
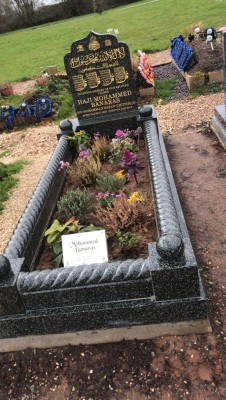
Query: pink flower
pixel 84 153
pixel 120 134
pixel 63 165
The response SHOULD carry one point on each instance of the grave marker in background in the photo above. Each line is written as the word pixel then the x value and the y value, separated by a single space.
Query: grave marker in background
pixel 218 123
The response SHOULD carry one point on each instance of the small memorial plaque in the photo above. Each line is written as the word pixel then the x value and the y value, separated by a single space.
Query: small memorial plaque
pixel 84 248
pixel 100 75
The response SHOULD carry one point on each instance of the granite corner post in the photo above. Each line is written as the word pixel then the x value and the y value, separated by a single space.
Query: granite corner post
pixel 10 299
pixel 173 265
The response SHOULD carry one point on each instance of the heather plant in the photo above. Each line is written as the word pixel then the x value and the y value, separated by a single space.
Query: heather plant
pixel 119 215
pixel 101 148
pixel 85 170
pixel 77 203
pixel 110 183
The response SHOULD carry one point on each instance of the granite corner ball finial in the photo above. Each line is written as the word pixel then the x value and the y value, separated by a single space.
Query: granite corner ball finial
pixel 65 128
pixel 170 247
pixel 145 111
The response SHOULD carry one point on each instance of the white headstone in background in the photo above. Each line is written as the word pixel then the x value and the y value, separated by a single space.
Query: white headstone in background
pixel 84 248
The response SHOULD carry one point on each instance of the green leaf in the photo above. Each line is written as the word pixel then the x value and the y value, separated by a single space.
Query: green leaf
pixel 52 237
pixel 57 247
pixel 54 227
pixel 90 228
pixel 58 260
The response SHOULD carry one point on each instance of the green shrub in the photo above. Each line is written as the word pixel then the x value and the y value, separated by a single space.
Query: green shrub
pixel 76 203
pixel 127 240
pixel 110 183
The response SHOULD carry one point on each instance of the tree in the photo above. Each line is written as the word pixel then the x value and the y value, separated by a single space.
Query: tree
pixel 78 7
pixel 26 9
pixel 5 8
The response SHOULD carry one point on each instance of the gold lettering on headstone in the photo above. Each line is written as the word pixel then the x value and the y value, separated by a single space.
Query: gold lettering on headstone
pixel 79 83
pixel 80 47
pixel 106 77
pixel 74 62
pixel 121 75
pixel 107 42
pixel 94 44
pixel 93 79
pixel 93 58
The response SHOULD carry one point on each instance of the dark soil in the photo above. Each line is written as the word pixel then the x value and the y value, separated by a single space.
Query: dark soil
pixel 145 229
pixel 165 368
pixel 208 59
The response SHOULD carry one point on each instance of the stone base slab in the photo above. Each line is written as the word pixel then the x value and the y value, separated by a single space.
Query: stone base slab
pixel 113 335
pixel 147 91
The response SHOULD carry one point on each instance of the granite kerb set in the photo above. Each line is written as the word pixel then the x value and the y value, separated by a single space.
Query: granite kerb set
pixel 105 302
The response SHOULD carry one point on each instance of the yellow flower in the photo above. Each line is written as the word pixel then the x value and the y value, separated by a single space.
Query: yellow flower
pixel 79 133
pixel 135 196
pixel 120 174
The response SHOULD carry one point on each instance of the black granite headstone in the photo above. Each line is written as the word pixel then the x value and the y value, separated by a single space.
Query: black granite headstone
pixel 100 76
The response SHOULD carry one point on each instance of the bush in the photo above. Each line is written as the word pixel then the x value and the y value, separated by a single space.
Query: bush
pixel 110 183
pixel 76 204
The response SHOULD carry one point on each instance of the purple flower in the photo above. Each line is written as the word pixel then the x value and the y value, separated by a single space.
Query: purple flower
pixel 85 153
pixel 119 195
pixel 130 163
pixel 96 136
pixel 82 147
pixel 63 165
pixel 128 159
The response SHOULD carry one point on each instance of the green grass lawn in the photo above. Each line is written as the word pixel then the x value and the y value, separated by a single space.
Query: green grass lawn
pixel 146 25
pixel 7 180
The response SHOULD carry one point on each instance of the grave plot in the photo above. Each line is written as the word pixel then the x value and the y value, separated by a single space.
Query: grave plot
pixel 199 60
pixel 101 301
